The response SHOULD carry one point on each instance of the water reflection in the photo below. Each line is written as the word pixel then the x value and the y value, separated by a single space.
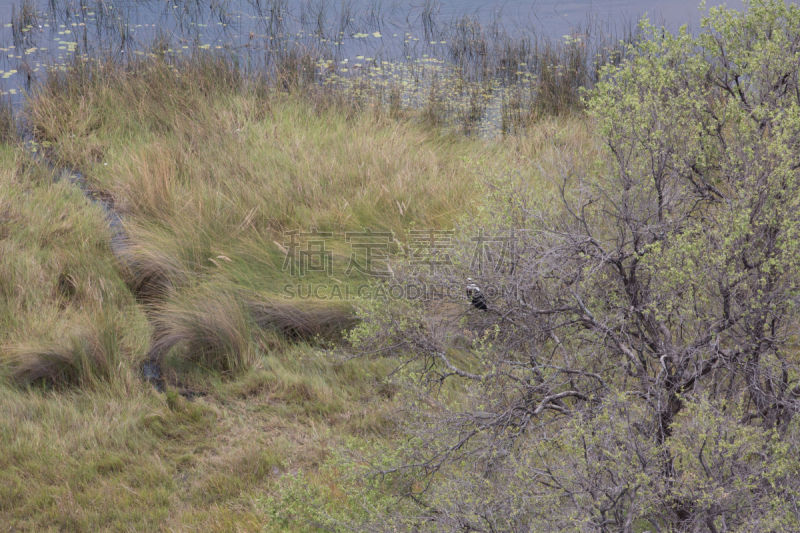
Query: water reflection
pixel 404 53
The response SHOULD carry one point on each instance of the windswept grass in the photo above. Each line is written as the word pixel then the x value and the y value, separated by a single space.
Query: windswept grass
pixel 65 314
pixel 210 175
pixel 209 329
pixel 86 358
pixel 208 171
pixel 111 460
pixel 308 321
pixel 213 171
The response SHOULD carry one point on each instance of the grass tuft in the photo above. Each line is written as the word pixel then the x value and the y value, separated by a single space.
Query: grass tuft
pixel 209 329
pixel 54 365
pixel 304 321
pixel 85 360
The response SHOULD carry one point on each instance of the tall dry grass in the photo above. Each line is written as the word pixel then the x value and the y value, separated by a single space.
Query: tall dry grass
pixel 210 329
pixel 209 174
pixel 91 355
pixel 208 170
pixel 307 321
pixel 65 314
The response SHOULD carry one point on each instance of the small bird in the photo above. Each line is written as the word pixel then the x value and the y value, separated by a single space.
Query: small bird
pixel 475 294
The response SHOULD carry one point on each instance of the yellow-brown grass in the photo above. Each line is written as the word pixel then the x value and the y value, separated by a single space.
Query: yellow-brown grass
pixel 208 171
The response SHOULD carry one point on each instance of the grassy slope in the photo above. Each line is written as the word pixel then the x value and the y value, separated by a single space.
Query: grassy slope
pixel 201 167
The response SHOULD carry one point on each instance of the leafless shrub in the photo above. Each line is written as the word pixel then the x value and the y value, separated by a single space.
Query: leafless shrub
pixel 647 347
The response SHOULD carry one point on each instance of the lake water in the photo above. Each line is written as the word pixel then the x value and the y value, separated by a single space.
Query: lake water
pixel 558 16
pixel 35 33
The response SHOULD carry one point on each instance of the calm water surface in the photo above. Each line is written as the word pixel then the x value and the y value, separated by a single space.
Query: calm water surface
pixel 560 16
pixel 35 33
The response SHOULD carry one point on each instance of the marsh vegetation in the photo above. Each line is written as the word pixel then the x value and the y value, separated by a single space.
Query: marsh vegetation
pixel 634 202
